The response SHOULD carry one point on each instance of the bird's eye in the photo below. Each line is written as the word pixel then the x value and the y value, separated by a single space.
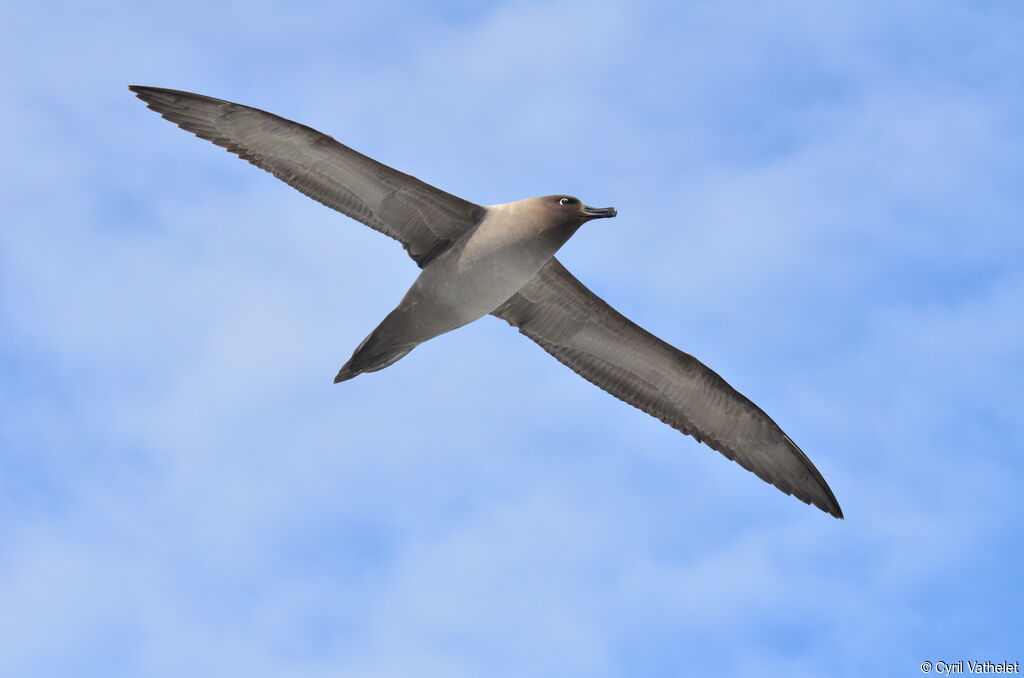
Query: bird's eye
pixel 564 201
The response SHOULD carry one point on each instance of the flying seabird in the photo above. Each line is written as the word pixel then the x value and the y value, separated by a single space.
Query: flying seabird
pixel 499 260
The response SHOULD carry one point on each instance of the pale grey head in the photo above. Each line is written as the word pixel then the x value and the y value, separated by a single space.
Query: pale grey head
pixel 568 209
pixel 557 216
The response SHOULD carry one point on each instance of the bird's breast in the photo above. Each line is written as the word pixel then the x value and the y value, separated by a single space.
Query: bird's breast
pixel 490 264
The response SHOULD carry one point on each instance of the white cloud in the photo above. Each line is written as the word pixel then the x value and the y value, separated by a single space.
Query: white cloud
pixel 806 203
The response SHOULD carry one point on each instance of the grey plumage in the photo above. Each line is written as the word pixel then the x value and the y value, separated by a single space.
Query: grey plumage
pixel 500 260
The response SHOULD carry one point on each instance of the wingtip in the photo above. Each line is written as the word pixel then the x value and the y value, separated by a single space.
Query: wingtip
pixel 829 506
pixel 816 492
pixel 145 93
pixel 832 504
pixel 149 94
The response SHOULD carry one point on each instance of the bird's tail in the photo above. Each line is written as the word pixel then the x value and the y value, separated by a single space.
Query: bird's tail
pixel 371 356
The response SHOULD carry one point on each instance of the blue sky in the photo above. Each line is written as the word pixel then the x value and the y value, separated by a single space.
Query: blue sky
pixel 822 201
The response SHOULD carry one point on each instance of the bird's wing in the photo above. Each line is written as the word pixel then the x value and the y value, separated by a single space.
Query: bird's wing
pixel 423 218
pixel 601 345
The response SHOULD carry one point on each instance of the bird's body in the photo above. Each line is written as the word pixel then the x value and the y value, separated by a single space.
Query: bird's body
pixel 499 260
pixel 481 270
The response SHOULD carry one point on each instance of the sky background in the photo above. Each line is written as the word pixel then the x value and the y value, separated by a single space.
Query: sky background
pixel 822 201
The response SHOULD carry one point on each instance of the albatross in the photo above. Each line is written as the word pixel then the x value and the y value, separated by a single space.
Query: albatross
pixel 499 260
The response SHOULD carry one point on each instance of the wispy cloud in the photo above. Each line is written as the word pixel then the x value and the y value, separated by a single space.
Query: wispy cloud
pixel 820 202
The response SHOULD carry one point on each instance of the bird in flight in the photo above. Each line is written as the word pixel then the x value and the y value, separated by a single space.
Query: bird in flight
pixel 499 260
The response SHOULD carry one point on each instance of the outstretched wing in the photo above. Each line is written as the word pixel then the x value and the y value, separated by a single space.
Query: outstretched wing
pixel 423 218
pixel 601 345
